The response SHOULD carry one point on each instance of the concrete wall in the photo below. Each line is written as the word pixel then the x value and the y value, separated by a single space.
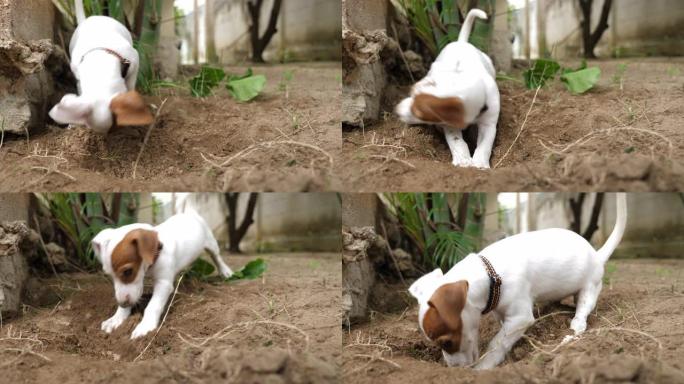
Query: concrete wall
pixel 655 225
pixel 283 221
pixel 307 30
pixel 636 28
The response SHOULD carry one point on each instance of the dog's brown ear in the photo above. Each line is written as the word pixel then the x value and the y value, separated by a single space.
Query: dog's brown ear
pixel 449 301
pixel 433 109
pixel 147 244
pixel 130 109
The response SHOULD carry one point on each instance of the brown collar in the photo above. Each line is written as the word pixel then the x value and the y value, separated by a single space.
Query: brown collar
pixel 494 286
pixel 125 63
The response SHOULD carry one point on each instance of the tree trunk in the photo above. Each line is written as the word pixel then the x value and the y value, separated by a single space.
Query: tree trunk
pixel 589 39
pixel 576 208
pixel 235 232
pixel 593 220
pixel 259 44
pixel 462 211
pixel 139 17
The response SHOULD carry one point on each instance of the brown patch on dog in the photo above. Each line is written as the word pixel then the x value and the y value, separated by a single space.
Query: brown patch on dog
pixel 444 110
pixel 130 109
pixel 442 322
pixel 138 246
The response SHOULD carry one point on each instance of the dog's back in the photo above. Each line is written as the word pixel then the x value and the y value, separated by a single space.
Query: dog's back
pixel 189 235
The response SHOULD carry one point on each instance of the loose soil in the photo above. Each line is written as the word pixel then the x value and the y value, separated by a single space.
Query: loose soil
pixel 634 335
pixel 625 134
pixel 281 141
pixel 282 328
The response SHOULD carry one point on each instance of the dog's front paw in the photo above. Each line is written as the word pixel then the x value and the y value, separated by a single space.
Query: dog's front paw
pixel 462 162
pixel 112 323
pixel 485 364
pixel 143 329
pixel 568 339
pixel 482 164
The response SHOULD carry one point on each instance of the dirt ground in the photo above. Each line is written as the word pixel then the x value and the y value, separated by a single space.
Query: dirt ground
pixel 283 328
pixel 635 335
pixel 279 141
pixel 625 134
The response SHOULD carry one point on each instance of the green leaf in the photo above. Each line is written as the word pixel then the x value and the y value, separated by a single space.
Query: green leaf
pixel 208 78
pixel 246 87
pixel 542 71
pixel 201 269
pixel 252 270
pixel 581 81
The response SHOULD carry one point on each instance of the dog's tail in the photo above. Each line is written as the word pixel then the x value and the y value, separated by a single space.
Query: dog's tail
pixel 468 24
pixel 80 12
pixel 615 236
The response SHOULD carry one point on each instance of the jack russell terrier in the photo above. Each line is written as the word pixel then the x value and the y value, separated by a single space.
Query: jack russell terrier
pixel 507 278
pixel 459 90
pixel 106 65
pixel 130 252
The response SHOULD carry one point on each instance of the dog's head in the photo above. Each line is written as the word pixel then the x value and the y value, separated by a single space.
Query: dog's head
pixel 126 253
pixel 429 109
pixel 100 114
pixel 442 318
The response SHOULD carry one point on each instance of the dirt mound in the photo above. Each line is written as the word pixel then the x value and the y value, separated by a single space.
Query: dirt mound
pixel 281 328
pixel 631 337
pixel 273 365
pixel 623 134
pixel 282 140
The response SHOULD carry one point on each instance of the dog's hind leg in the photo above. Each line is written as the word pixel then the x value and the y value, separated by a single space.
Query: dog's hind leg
pixel 486 127
pixel 212 249
pixel 585 302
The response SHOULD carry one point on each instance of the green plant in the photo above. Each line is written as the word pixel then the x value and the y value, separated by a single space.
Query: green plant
pixel 242 88
pixel 582 80
pixel 577 81
pixel 438 22
pixel 205 81
pixel 610 269
pixel 202 269
pixel 542 71
pixel 245 87
pixel 619 74
pixel 443 227
pixel 81 216
pixel 285 80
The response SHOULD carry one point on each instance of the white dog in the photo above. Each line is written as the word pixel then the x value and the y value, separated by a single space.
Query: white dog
pixel 130 252
pixel 506 278
pixel 459 90
pixel 106 65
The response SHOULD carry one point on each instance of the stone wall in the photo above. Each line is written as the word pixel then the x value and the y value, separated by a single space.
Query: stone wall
pixel 32 69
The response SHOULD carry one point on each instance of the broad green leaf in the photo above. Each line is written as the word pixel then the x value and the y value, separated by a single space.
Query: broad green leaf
pixel 246 87
pixel 542 71
pixel 581 81
pixel 252 270
pixel 208 78
pixel 201 269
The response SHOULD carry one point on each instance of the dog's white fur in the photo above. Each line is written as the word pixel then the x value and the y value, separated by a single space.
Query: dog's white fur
pixel 461 70
pixel 98 73
pixel 539 266
pixel 184 237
